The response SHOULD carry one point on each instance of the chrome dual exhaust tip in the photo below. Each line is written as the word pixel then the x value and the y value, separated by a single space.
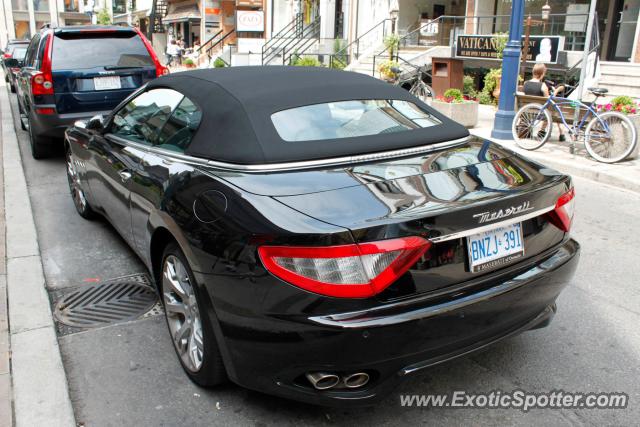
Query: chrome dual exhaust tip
pixel 323 380
pixel 326 380
pixel 359 379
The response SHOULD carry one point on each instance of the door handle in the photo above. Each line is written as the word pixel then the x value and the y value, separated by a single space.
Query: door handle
pixel 125 175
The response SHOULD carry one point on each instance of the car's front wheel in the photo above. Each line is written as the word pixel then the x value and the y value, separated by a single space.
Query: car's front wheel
pixel 75 188
pixel 188 321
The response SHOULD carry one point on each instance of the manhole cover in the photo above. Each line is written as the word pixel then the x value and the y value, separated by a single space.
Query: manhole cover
pixel 104 303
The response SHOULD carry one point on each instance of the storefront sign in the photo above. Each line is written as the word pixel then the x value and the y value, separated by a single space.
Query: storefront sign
pixel 250 20
pixel 541 48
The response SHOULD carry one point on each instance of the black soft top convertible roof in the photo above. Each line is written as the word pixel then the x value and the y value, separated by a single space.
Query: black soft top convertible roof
pixel 237 104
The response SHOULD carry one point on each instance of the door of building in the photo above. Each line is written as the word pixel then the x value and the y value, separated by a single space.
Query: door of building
pixel 623 30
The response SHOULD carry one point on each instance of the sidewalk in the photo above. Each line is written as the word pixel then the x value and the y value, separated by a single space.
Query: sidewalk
pixel 33 385
pixel 625 174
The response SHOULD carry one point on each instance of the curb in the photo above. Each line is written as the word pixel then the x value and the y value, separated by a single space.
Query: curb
pixel 575 165
pixel 40 390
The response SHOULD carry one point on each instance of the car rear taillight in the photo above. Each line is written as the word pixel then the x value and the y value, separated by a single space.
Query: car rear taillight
pixel 42 81
pixel 562 215
pixel 161 70
pixel 346 271
pixel 7 55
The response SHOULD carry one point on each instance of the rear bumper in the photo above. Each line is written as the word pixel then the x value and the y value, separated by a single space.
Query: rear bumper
pixel 271 353
pixel 53 125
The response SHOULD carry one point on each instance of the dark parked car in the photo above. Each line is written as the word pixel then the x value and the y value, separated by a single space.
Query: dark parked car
pixel 319 234
pixel 14 64
pixel 76 72
pixel 7 53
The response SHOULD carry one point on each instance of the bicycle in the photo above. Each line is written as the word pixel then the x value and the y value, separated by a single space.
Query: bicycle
pixel 418 87
pixel 609 137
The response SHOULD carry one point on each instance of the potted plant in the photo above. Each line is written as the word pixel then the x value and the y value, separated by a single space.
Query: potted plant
pixel 457 107
pixel 627 106
pixel 188 63
pixel 219 63
pixel 386 70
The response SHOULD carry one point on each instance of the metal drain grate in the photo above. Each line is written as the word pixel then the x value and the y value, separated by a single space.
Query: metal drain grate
pixel 105 303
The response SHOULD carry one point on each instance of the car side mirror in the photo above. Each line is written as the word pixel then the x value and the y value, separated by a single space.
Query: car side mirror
pixel 11 63
pixel 95 123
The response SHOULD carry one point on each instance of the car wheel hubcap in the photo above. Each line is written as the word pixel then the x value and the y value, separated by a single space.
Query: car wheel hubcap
pixel 74 184
pixel 183 314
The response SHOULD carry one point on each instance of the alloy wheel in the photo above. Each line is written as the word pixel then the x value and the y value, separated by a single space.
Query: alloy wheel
pixel 183 313
pixel 77 193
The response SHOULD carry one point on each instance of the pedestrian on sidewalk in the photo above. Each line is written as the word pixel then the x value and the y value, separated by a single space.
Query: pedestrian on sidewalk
pixel 538 87
pixel 173 52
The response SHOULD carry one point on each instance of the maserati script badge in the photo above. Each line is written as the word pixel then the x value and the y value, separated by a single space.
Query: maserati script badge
pixel 503 213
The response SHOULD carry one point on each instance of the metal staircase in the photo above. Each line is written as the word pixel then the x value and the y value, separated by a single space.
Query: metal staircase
pixel 216 43
pixel 290 42
pixel 158 11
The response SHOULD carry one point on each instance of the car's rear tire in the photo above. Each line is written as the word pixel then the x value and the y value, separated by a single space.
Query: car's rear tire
pixel 75 187
pixel 188 320
pixel 39 148
pixel 12 87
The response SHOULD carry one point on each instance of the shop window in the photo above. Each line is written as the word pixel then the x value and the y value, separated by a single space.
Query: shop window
pixel 41 5
pixel 19 4
pixel 22 29
pixel 71 5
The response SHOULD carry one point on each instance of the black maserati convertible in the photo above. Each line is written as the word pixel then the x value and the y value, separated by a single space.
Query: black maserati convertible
pixel 319 234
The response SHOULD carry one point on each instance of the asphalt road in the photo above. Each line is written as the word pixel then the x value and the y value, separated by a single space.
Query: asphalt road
pixel 128 374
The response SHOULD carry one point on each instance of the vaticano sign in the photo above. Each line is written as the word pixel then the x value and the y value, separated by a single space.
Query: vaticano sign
pixel 541 48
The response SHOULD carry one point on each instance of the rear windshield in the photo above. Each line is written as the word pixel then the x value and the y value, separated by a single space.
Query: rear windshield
pixel 86 50
pixel 346 119
pixel 19 53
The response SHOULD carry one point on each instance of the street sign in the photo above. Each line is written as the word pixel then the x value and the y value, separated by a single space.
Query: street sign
pixel 541 48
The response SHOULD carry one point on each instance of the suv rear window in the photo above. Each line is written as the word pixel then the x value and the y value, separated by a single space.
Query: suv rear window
pixel 90 50
pixel 345 119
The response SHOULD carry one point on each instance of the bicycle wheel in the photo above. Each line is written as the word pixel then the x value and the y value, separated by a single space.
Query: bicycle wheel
pixel 531 126
pixel 421 90
pixel 610 137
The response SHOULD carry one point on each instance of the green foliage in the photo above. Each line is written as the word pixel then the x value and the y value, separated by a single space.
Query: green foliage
pixel 339 59
pixel 306 61
pixel 485 98
pixel 391 43
pixel 491 80
pixel 501 42
pixel 455 95
pixel 188 62
pixel 103 17
pixel 622 101
pixel 219 63
pixel 469 86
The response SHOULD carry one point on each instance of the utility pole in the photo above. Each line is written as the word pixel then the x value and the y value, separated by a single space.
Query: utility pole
pixel 510 71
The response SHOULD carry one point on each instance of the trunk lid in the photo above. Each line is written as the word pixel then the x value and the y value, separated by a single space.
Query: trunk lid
pixel 442 196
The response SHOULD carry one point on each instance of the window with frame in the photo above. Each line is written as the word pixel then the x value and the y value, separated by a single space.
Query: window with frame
pixel 179 129
pixel 144 116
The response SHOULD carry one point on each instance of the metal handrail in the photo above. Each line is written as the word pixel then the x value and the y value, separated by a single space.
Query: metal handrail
pixel 208 41
pixel 292 44
pixel 274 43
pixel 345 50
pixel 304 43
pixel 233 30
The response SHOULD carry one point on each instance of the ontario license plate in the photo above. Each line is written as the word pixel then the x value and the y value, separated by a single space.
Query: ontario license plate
pixel 107 83
pixel 495 247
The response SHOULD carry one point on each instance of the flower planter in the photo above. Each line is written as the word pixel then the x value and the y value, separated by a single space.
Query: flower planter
pixel 465 113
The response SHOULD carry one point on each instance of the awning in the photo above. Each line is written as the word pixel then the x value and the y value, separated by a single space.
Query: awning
pixel 182 14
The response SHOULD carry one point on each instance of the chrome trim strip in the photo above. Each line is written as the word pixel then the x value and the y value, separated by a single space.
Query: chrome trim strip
pixel 376 317
pixel 488 227
pixel 278 167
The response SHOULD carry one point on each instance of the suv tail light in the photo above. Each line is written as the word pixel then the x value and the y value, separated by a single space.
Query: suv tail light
pixel 7 55
pixel 346 271
pixel 562 215
pixel 161 70
pixel 42 81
